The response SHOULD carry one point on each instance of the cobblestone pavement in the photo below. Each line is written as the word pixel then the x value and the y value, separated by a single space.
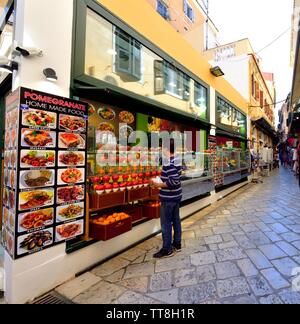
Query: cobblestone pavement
pixel 241 250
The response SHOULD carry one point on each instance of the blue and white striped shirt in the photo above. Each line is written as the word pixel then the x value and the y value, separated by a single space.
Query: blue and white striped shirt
pixel 171 176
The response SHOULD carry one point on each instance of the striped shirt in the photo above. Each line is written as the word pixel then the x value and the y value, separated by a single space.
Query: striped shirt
pixel 171 176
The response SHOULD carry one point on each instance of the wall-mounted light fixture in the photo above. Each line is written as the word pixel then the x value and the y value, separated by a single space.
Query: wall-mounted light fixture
pixel 50 75
pixel 217 71
pixel 8 65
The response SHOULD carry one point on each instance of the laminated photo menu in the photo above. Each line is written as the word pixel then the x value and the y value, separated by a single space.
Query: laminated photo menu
pixel 46 203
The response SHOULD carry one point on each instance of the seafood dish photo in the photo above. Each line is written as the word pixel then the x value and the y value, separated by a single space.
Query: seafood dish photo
pixel 39 118
pixel 126 117
pixel 36 178
pixel 69 194
pixel 72 123
pixel 38 138
pixel 71 211
pixel 70 140
pixel 107 114
pixel 71 158
pixel 37 159
pixel 36 219
pixel 72 176
pixel 35 241
pixel 34 199
pixel 70 230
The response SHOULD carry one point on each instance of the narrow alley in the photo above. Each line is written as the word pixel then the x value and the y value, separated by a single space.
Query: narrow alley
pixel 244 249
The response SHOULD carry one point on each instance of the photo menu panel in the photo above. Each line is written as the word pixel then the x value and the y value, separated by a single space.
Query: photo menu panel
pixel 51 176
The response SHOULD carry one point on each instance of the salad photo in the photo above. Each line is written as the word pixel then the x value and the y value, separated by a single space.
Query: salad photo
pixel 39 118
pixel 37 158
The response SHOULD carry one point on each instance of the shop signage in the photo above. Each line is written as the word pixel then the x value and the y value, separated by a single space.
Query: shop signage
pixel 45 171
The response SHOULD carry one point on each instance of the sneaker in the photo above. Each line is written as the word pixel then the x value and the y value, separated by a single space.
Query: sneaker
pixel 163 254
pixel 177 247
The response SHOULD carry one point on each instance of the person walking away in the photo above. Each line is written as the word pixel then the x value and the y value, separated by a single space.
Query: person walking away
pixel 170 197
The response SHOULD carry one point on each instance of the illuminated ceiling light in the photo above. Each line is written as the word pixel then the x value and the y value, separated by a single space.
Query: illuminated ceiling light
pixel 173 85
pixel 50 75
pixel 217 71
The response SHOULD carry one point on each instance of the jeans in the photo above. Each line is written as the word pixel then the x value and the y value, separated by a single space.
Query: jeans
pixel 169 217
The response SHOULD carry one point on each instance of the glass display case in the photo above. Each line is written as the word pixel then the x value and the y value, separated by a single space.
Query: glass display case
pixel 245 160
pixel 228 160
pixel 197 165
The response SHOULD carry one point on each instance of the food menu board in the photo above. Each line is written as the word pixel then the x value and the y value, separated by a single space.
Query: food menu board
pixel 49 196
pixel 10 172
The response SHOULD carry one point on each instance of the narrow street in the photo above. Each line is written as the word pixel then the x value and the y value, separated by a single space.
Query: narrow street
pixel 241 250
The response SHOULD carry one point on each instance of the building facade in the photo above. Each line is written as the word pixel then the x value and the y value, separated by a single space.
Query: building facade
pixel 105 54
pixel 190 19
pixel 242 69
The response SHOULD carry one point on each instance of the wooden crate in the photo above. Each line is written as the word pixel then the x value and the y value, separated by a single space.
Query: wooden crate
pixel 151 212
pixel 107 232
pixel 154 194
pixel 113 199
pixel 136 212
pixel 138 194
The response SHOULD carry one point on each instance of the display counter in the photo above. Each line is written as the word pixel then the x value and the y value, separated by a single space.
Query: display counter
pixel 233 164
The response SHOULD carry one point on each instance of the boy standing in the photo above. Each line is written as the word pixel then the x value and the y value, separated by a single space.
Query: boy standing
pixel 170 197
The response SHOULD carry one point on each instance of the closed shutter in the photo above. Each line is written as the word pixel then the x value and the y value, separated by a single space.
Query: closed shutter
pixel 159 77
pixel 136 59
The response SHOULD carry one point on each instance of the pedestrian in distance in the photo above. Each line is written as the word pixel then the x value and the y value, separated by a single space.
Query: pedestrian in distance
pixel 170 197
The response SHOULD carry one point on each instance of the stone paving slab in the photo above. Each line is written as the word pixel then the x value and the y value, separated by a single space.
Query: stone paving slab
pixel 240 250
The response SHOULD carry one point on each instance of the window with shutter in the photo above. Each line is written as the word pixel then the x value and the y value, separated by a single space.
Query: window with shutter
pixel 159 77
pixel 188 10
pixel 128 58
pixel 261 99
pixel 162 9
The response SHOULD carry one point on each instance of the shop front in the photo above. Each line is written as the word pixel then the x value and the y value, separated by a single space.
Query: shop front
pixel 83 175
pixel 233 159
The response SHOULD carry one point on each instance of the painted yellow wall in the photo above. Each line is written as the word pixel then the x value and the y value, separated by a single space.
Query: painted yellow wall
pixel 166 38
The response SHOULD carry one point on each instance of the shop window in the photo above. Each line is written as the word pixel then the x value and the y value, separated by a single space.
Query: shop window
pixel 231 117
pixel 171 81
pixel 128 57
pixel 188 10
pixel 200 98
pixel 163 9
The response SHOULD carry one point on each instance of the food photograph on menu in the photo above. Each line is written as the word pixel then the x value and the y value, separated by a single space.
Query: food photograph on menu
pixel 70 158
pixel 71 141
pixel 38 138
pixel 37 178
pixel 35 220
pixel 36 198
pixel 72 123
pixel 37 159
pixel 69 230
pixel 69 212
pixel 38 118
pixel 70 176
pixel 70 194
pixel 32 242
